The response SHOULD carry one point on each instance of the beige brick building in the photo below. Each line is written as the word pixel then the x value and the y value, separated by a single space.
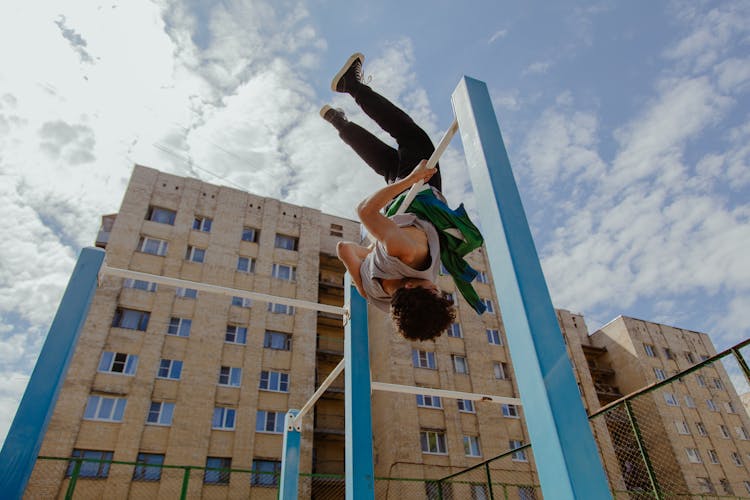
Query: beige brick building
pixel 185 378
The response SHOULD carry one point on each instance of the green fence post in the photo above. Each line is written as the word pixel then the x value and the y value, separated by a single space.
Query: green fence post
pixel 73 479
pixel 489 480
pixel 440 489
pixel 742 363
pixel 185 482
pixel 642 449
pixel 505 491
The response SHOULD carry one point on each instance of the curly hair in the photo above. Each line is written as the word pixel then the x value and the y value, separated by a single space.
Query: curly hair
pixel 420 314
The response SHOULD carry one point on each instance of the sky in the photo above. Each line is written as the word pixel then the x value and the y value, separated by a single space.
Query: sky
pixel 627 125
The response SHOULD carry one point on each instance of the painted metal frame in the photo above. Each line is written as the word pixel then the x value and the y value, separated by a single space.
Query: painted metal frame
pixel 566 454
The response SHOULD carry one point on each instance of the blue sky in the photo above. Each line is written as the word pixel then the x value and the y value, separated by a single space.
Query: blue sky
pixel 627 125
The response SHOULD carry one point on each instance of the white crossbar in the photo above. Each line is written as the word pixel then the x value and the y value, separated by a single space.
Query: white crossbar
pixel 221 290
pixel 297 421
pixel 427 391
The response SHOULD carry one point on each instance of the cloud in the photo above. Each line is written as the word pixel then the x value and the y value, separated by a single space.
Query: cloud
pixel 537 68
pixel 502 33
pixel 76 40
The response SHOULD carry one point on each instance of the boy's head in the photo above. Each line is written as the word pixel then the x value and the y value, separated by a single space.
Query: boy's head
pixel 421 313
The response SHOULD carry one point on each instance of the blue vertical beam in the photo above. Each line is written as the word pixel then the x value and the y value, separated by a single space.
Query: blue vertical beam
pixel 290 460
pixel 24 439
pixel 360 472
pixel 566 454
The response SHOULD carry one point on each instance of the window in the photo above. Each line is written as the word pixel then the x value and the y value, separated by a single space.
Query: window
pixel 337 230
pixel 269 421
pixel 153 246
pixel 659 374
pixel 277 340
pixel 265 473
pixel 250 234
pixel 736 459
pixel 726 486
pixel 90 469
pixel 242 302
pixel 479 492
pixel 236 334
pixel 488 304
pixel 285 242
pixel 668 353
pixel 216 470
pixel 690 358
pixel 423 359
pixel 711 405
pixel 729 407
pixel 223 419
pixel 195 254
pixel 718 384
pixel 493 337
pixel 160 413
pixel 466 406
pixel 471 446
pixel 161 215
pixel 274 381
pixel 703 357
pixel 146 473
pixel 670 399
pixel 689 401
pixel 284 272
pixel 460 365
pixel 455 330
pixel 146 286
pixel 131 319
pixel 170 369
pixel 106 409
pixel 118 362
pixel 526 493
pixel 724 431
pixel 482 277
pixel 510 411
pixel 501 370
pixel 682 427
pixel 186 293
pixel 519 456
pixel 433 442
pixel 230 376
pixel 427 401
pixel 747 485
pixel 179 327
pixel 202 224
pixel 701 380
pixel 280 308
pixel 706 485
pixel 713 457
pixel 701 429
pixel 742 433
pixel 245 265
pixel 649 350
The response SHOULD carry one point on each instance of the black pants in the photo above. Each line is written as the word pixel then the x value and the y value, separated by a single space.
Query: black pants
pixel 414 144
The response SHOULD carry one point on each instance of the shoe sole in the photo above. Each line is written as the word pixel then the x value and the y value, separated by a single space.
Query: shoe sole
pixel 344 69
pixel 325 109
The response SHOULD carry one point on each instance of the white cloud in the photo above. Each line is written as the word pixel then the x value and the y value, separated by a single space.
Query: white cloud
pixel 502 33
pixel 537 68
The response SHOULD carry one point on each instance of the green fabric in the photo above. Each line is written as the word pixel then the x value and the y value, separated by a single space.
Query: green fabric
pixel 429 207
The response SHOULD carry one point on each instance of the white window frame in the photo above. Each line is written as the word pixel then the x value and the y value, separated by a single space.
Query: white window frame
pixel 108 360
pixel 245 264
pixel 122 318
pixel 649 348
pixel 713 457
pixel 659 374
pixel 669 354
pixel 718 384
pixel 429 401
pixel 281 240
pixel 742 433
pixel 255 234
pixel 186 293
pixel 202 224
pixel 670 399
pixel 242 302
pixel 682 427
pixel 466 406
pixel 454 331
pixel 164 413
pixel 172 215
pixel 689 401
pixel 498 367
pixel 701 429
pixel 736 459
pixel 230 376
pixel 179 328
pixel 472 447
pixel 145 242
pixel 724 431
pixel 224 419
pixel 518 456
pixel 694 456
pixel 493 336
pixel 274 381
pixel 510 411
pixel 105 409
pixel 711 405
pixel 195 254
pixel 146 286
pixel 276 272
pixel 239 331
pixel 173 368
pixel 489 305
pixel 482 277
pixel 269 344
pixel 701 380
pixel 428 438
pixel 423 359
pixel 460 364
pixel 276 418
pixel 275 308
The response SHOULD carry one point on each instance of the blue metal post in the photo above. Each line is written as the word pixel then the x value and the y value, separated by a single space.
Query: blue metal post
pixel 290 460
pixel 566 454
pixel 360 473
pixel 24 439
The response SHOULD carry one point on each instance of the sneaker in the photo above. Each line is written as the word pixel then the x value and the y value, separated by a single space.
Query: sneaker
pixel 349 75
pixel 335 117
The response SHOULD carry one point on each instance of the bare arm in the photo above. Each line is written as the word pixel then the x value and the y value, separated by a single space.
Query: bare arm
pixel 352 256
pixel 395 241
